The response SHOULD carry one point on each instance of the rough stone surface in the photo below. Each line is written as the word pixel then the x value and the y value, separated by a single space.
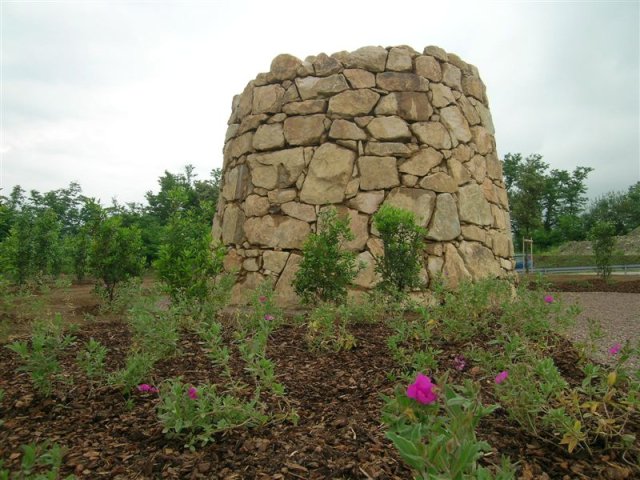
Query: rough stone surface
pixel 389 128
pixel 412 106
pixel 354 131
pixel 378 172
pixel 445 224
pixel 314 87
pixel 304 130
pixel 329 172
pixel 474 208
pixel 367 202
pixel 353 103
pixel 276 231
pixel 274 261
pixel 433 134
pixel 422 162
pixel 301 211
pixel 268 137
pixel 420 202
pixel 439 182
pixel 346 130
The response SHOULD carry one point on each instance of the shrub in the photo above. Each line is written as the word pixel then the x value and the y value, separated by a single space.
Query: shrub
pixel 186 261
pixel 116 253
pixel 603 241
pixel 326 269
pixel 402 238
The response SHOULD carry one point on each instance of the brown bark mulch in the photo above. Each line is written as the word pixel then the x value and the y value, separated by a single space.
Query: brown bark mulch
pixel 336 395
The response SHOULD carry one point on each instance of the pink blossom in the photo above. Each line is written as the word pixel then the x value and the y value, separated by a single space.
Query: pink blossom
pixel 268 317
pixel 143 387
pixel 263 299
pixel 422 390
pixel 193 393
pixel 615 349
pixel 548 299
pixel 501 377
pixel 459 363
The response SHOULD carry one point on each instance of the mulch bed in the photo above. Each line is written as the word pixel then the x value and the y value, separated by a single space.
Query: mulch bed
pixel 576 284
pixel 336 395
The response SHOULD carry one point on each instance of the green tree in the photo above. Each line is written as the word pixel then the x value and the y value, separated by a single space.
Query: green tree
pixel 186 261
pixel 403 240
pixel 602 236
pixel 326 269
pixel 116 253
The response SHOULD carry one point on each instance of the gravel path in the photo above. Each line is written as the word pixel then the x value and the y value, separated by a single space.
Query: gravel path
pixel 617 313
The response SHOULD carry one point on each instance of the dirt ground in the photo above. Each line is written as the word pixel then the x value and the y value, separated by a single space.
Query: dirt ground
pixel 338 397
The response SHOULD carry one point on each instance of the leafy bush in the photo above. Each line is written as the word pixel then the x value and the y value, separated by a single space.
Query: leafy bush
pixel 92 358
pixel 327 328
pixel 186 260
pixel 435 432
pixel 116 253
pixel 402 238
pixel 603 242
pixel 326 269
pixel 196 414
pixel 40 356
pixel 44 458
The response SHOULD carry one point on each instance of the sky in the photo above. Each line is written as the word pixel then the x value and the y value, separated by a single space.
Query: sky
pixel 110 94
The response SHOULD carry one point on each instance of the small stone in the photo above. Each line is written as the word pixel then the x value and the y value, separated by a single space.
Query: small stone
pixel 301 211
pixel 268 137
pixel 420 202
pixel 412 106
pixel 436 52
pixel 304 130
pixel 268 99
pixel 483 139
pixel 377 172
pixel 399 60
pixel 439 182
pixel 281 196
pixel 401 82
pixel 373 59
pixel 433 134
pixel 353 103
pixel 422 162
pixel 455 122
pixel 442 95
pixel 358 78
pixel 345 130
pixel 451 76
pixel 428 67
pixel 445 225
pixel 367 202
pixel 390 149
pixel 389 128
pixel 313 87
pixel 329 172
pixel 325 65
pixel 274 261
pixel 284 67
pixel 472 205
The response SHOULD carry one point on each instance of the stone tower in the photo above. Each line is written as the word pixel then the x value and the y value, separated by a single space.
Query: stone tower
pixel 356 130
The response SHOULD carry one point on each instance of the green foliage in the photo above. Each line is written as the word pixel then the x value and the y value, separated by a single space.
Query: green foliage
pixel 195 415
pixel 326 269
pixel 603 242
pixel 545 205
pixel 327 328
pixel 39 357
pixel 186 260
pixel 92 359
pixel 155 330
pixel 137 368
pixel 622 209
pixel 403 239
pixel 40 461
pixel 116 253
pixel 438 441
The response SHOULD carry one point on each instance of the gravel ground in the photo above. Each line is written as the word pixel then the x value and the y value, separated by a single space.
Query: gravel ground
pixel 618 315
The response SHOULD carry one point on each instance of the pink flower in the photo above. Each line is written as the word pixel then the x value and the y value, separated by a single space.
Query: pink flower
pixel 193 393
pixel 268 317
pixel 548 299
pixel 615 349
pixel 144 387
pixel 501 377
pixel 459 363
pixel 263 299
pixel 422 390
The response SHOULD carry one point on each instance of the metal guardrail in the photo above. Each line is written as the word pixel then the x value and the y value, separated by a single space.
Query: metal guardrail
pixel 633 268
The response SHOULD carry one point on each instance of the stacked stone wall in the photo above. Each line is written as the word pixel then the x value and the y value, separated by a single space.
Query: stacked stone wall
pixel 356 130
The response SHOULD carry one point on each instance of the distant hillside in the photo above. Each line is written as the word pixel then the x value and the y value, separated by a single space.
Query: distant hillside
pixel 628 244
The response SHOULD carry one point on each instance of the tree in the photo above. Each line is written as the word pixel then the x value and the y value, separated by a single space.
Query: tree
pixel 326 269
pixel 402 239
pixel 186 261
pixel 116 253
pixel 602 236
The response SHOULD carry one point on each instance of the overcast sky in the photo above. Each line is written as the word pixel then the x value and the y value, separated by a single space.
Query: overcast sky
pixel 112 93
